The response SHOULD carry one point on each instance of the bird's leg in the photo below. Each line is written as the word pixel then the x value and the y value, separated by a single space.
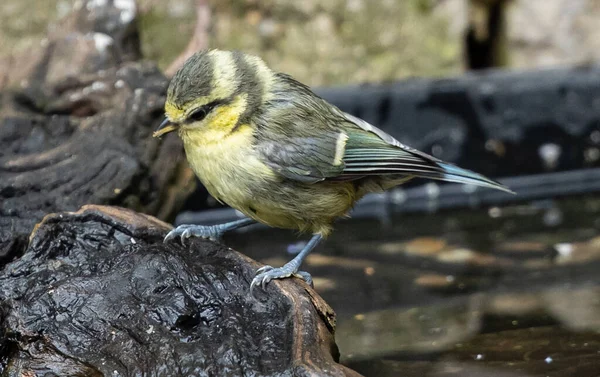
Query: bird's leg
pixel 267 273
pixel 213 232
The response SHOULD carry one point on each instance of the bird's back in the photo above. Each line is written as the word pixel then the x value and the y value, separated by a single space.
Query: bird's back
pixel 311 140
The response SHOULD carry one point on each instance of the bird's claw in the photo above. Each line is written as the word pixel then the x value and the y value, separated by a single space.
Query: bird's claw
pixel 305 276
pixel 267 273
pixel 186 231
pixel 263 269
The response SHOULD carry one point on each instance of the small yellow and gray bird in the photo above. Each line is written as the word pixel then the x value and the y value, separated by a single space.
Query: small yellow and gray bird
pixel 266 145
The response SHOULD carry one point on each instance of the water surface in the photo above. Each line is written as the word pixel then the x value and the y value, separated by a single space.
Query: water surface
pixel 500 291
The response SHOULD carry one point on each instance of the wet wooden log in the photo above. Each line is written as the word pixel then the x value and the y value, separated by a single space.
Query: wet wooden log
pixel 76 118
pixel 97 293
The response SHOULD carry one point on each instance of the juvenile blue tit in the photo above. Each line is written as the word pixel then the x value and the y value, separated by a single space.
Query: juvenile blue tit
pixel 266 145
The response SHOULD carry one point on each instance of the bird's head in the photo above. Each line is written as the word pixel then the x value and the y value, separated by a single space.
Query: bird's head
pixel 217 88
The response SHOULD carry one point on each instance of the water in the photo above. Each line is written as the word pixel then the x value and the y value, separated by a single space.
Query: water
pixel 511 291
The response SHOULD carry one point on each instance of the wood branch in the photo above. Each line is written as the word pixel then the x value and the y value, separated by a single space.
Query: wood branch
pixel 76 120
pixel 200 38
pixel 98 293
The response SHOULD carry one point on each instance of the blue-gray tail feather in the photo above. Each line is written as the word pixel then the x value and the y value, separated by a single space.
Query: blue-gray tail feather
pixel 452 173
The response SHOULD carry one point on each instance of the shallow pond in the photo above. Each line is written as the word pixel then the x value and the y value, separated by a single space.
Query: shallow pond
pixel 500 291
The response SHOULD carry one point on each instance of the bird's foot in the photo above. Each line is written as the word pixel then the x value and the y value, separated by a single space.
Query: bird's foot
pixel 212 232
pixel 267 273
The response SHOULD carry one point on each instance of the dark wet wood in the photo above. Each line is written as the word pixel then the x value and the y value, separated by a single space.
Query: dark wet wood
pixel 76 119
pixel 98 293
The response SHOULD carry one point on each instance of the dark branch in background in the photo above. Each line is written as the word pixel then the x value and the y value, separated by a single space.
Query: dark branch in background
pixel 485 39
pixel 199 39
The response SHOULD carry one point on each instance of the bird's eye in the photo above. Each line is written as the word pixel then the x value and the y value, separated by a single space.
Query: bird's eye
pixel 201 112
pixel 198 115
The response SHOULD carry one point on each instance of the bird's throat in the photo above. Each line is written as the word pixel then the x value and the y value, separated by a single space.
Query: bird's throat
pixel 220 124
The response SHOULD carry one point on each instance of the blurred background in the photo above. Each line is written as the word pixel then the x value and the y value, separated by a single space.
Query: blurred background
pixel 427 279
pixel 341 42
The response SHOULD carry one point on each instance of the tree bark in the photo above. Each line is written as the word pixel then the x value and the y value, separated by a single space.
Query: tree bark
pixel 76 119
pixel 98 293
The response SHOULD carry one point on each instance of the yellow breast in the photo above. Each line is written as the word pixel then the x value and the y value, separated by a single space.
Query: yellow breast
pixel 226 164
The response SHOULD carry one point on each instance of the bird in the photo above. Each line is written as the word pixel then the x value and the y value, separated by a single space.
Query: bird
pixel 266 145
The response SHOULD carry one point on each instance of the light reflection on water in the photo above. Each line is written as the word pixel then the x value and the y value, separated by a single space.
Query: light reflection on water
pixel 508 291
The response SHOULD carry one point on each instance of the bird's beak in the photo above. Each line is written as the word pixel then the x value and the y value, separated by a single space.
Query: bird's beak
pixel 165 127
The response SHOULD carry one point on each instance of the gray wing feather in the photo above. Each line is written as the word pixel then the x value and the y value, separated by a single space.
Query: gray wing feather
pixel 406 160
pixel 304 159
pixel 385 136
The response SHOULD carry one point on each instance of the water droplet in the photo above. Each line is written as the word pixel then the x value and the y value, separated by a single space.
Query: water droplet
pixel 479 357
pixel 553 217
pixel 432 189
pixel 550 153
pixel 495 212
pixel 564 249
pixel 591 154
pixel 548 360
pixel 398 196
